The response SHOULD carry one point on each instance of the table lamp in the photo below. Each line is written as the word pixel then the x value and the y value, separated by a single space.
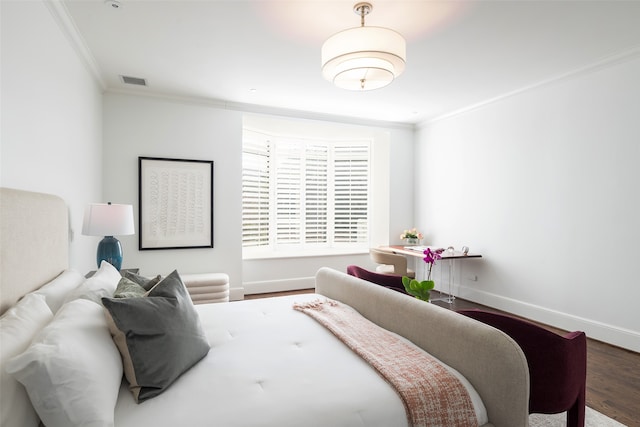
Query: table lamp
pixel 108 220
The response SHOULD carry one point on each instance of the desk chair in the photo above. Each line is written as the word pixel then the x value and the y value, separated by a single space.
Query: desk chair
pixel 391 263
pixel 387 280
pixel 557 364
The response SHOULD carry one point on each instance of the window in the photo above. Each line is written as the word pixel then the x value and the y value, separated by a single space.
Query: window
pixel 304 194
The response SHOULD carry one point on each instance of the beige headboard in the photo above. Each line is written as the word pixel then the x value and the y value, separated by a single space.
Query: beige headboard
pixel 34 242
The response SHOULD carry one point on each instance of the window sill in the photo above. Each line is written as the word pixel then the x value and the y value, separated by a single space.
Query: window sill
pixel 254 255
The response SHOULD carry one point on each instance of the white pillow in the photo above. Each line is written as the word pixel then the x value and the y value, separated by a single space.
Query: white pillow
pixel 102 284
pixel 72 371
pixel 17 327
pixel 57 290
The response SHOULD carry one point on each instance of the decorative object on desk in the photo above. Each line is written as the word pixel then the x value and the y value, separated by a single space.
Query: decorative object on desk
pixel 465 250
pixel 108 220
pixel 412 236
pixel 421 289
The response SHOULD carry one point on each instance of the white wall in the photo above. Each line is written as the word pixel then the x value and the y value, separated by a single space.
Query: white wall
pixel 147 126
pixel 143 126
pixel 51 117
pixel 545 185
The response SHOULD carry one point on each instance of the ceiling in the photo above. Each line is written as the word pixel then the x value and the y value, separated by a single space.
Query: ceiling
pixel 266 53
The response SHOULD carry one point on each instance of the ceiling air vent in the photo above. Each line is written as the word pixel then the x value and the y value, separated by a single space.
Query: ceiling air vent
pixel 133 81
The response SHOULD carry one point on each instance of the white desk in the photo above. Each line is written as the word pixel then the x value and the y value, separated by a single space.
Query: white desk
pixel 450 256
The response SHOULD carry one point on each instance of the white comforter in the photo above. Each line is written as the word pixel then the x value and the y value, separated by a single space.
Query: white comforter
pixel 270 365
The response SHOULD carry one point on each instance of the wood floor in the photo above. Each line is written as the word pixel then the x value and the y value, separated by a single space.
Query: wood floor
pixel 613 373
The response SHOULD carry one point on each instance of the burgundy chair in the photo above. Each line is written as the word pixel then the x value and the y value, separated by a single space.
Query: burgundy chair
pixel 390 281
pixel 557 364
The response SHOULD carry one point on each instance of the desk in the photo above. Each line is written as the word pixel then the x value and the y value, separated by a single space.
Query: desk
pixel 451 257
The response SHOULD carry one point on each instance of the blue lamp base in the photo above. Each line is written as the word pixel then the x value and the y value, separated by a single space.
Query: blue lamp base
pixel 110 250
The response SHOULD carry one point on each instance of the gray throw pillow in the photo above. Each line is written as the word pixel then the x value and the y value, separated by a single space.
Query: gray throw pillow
pixel 128 289
pixel 159 336
pixel 146 282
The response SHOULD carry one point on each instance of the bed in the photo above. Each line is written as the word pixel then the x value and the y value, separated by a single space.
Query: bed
pixel 265 363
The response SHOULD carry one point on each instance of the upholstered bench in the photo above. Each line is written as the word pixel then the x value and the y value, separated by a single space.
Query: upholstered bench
pixel 207 287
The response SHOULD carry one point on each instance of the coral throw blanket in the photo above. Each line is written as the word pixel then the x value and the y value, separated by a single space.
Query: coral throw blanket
pixel 432 396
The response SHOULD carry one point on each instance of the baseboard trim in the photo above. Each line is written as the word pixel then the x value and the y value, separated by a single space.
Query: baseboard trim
pixel 600 331
pixel 236 294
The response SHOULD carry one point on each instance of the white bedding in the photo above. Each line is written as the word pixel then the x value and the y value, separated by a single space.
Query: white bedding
pixel 270 365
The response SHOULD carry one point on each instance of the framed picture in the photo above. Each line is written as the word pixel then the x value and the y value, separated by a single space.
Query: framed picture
pixel 175 202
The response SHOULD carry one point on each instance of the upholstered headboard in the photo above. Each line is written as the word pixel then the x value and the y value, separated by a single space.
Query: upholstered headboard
pixel 34 242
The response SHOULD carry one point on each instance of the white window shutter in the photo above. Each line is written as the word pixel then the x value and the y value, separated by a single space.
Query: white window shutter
pixel 351 193
pixel 255 193
pixel 316 194
pixel 301 194
pixel 288 193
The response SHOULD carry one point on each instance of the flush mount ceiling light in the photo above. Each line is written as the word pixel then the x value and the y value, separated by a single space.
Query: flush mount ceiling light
pixel 363 58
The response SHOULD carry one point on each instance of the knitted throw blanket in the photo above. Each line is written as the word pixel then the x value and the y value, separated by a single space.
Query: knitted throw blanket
pixel 432 396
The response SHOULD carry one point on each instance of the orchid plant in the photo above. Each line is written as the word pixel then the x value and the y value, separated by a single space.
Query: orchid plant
pixel 430 257
pixel 421 289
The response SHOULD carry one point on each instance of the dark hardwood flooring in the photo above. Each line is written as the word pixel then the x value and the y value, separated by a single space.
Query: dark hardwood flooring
pixel 613 373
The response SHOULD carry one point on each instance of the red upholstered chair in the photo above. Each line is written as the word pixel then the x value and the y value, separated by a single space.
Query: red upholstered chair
pixel 390 281
pixel 557 364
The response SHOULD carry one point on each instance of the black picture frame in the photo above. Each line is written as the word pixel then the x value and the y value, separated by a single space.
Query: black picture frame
pixel 175 203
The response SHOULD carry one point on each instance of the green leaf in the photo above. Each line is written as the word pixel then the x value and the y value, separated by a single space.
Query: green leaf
pixel 429 284
pixel 418 289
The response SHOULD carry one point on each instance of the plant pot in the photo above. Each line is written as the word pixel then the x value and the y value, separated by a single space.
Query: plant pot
pixel 413 241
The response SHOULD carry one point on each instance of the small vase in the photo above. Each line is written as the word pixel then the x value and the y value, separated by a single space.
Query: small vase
pixel 413 241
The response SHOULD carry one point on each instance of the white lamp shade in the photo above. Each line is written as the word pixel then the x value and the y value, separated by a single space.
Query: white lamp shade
pixel 363 58
pixel 101 219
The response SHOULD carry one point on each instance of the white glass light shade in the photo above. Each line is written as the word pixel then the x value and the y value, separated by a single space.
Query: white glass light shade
pixel 101 219
pixel 363 58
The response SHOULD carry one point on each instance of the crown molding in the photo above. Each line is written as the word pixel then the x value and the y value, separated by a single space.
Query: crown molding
pixel 260 109
pixel 604 62
pixel 61 15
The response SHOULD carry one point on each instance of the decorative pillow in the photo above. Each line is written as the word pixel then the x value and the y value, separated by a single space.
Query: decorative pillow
pixel 72 371
pixel 18 326
pixel 159 336
pixel 57 290
pixel 102 284
pixel 146 282
pixel 128 289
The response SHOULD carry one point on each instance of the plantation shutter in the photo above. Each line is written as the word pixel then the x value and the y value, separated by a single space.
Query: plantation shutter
pixel 304 194
pixel 255 193
pixel 288 193
pixel 351 193
pixel 316 194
